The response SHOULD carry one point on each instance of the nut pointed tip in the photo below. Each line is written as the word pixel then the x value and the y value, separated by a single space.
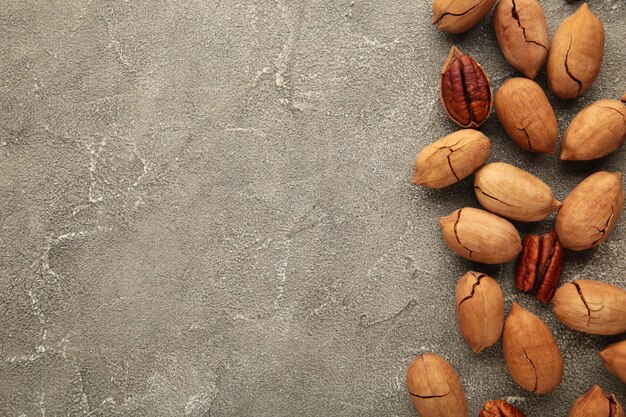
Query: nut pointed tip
pixel 556 203
pixel 455 51
pixel 596 388
pixel 565 156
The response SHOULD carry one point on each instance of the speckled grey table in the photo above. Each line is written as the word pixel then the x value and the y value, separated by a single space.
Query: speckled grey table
pixel 205 209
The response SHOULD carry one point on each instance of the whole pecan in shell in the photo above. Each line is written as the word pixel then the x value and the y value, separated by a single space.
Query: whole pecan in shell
pixel 531 354
pixel 540 264
pixel 500 408
pixel 458 16
pixel 592 307
pixel 590 211
pixel 522 33
pixel 435 388
pixel 526 115
pixel 614 358
pixel 596 403
pixel 596 131
pixel 451 158
pixel 465 90
pixel 576 53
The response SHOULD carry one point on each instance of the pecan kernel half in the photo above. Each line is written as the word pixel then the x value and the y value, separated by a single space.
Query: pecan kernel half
pixel 465 90
pixel 500 408
pixel 539 266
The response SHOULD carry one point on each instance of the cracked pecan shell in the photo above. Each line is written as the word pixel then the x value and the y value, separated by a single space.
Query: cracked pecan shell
pixel 596 131
pixel 576 53
pixel 614 359
pixel 479 310
pixel 526 115
pixel 590 211
pixel 480 236
pixel 596 403
pixel 532 356
pixel 457 16
pixel 539 266
pixel 500 408
pixel 465 90
pixel 451 158
pixel 513 193
pixel 522 33
pixel 434 387
pixel 591 307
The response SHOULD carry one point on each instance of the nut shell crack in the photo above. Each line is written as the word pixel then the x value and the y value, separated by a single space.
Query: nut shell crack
pixel 515 15
pixel 456 235
pixel 474 286
pixel 426 397
pixel 534 370
pixel 567 70
pixel 437 20
pixel 492 197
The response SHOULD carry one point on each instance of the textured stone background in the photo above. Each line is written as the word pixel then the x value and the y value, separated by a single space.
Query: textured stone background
pixel 206 209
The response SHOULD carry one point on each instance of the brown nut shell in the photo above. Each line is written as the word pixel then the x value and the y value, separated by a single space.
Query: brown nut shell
pixel 480 236
pixel 590 211
pixel 575 54
pixel 532 356
pixel 465 90
pixel 591 307
pixel 526 115
pixel 614 359
pixel 596 403
pixel 451 158
pixel 458 16
pixel 596 131
pixel 522 33
pixel 513 193
pixel 479 310
pixel 434 387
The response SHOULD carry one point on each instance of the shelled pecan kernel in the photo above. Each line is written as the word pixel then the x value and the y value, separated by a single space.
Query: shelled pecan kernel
pixel 500 408
pixel 465 90
pixel 539 266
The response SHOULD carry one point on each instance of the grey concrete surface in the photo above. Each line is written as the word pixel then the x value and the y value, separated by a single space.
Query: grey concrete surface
pixel 206 209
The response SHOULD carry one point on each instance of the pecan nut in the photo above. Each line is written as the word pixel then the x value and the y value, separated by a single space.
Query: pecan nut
pixel 500 408
pixel 539 266
pixel 465 90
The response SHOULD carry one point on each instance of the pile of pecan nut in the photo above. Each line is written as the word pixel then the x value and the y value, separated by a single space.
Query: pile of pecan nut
pixel 584 219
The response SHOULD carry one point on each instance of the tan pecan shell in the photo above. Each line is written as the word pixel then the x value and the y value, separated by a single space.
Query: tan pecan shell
pixel 451 158
pixel 614 359
pixel 526 115
pixel 458 16
pixel 596 403
pixel 480 236
pixel 596 131
pixel 522 33
pixel 479 310
pixel 590 211
pixel 591 307
pixel 575 54
pixel 532 356
pixel 465 90
pixel 434 387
